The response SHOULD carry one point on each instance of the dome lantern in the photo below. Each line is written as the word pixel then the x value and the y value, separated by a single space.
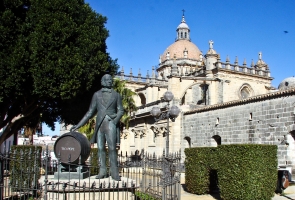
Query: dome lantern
pixel 183 31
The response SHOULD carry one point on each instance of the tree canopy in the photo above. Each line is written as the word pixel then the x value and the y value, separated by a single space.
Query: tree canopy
pixel 53 54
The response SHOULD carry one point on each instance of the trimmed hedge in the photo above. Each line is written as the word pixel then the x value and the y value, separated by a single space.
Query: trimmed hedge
pixel 246 171
pixel 24 166
pixel 200 169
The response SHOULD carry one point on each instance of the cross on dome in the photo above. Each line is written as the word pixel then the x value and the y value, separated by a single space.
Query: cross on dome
pixel 183 20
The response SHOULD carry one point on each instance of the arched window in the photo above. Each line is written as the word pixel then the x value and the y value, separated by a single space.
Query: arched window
pixel 217 138
pixel 293 133
pixel 245 91
pixel 183 100
pixel 204 94
pixel 185 35
pixel 181 35
pixel 142 99
pixel 188 139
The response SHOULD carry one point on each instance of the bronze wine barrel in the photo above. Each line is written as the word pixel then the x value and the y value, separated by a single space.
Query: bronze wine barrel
pixel 73 145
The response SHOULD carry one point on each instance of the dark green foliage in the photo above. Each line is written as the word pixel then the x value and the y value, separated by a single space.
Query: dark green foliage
pixel 144 196
pixel 53 54
pixel 94 170
pixel 199 166
pixel 246 171
pixel 25 166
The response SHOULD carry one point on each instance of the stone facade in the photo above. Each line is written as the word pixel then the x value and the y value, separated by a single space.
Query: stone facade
pixel 265 119
pixel 197 81
pixel 220 102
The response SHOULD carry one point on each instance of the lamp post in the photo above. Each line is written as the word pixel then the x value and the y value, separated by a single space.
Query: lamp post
pixel 171 113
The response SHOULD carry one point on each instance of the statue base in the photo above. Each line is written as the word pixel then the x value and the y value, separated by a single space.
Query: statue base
pixel 71 173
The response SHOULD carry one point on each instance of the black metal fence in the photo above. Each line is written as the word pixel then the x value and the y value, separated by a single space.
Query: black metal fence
pixel 143 176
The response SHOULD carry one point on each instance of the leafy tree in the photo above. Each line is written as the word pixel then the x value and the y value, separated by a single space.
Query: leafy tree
pixel 128 104
pixel 53 54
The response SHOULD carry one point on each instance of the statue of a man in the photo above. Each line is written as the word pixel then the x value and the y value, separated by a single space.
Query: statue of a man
pixel 107 104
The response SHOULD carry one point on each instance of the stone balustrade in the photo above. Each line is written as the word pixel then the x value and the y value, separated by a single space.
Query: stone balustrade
pixel 243 69
pixel 146 80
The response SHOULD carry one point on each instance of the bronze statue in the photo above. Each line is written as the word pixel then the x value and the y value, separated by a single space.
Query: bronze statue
pixel 107 104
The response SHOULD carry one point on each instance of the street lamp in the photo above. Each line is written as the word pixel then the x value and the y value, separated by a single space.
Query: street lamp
pixel 171 113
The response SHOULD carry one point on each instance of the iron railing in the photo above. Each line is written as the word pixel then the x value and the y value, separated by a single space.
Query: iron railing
pixel 142 174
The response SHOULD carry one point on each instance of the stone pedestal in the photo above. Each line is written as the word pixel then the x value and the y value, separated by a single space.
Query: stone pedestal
pixel 71 175
pixel 64 173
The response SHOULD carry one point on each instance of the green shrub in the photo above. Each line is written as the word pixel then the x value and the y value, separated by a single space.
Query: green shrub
pixel 246 171
pixel 25 166
pixel 200 173
pixel 144 196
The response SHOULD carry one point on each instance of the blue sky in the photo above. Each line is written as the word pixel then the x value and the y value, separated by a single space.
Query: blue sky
pixel 141 30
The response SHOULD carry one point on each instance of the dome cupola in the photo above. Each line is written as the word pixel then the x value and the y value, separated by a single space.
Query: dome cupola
pixel 183 31
pixel 287 83
pixel 182 49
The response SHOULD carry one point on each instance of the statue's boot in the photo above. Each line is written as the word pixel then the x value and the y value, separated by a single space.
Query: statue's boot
pixel 102 174
pixel 102 171
pixel 116 176
pixel 114 165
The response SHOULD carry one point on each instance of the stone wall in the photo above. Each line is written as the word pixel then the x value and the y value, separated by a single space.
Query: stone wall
pixel 267 120
pixel 232 83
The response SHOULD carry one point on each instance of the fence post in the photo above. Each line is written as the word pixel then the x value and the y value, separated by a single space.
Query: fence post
pixel 163 177
pixel 46 173
pixel 143 173
pixel 179 177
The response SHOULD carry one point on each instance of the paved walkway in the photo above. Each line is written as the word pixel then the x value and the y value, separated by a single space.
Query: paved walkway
pixel 188 196
pixel 289 193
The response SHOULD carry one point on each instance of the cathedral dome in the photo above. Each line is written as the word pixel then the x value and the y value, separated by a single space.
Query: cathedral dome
pixel 287 83
pixel 179 47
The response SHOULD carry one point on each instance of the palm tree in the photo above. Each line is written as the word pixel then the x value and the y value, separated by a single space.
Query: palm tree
pixel 127 101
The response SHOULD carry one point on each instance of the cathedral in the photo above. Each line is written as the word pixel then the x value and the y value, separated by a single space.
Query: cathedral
pixel 217 102
pixel 220 102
